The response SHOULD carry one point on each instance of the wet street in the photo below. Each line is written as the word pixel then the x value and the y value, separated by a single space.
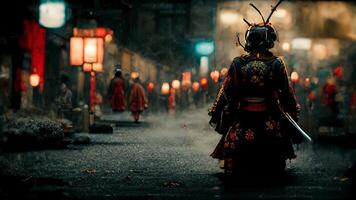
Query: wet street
pixel 164 157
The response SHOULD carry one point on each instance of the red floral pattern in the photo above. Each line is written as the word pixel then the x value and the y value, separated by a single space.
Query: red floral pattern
pixel 249 135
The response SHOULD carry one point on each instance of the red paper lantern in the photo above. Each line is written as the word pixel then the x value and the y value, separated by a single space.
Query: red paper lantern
pixel 100 32
pixel 90 50
pixel 150 86
pixel 195 86
pixel 338 72
pixel 204 83
pixel 76 50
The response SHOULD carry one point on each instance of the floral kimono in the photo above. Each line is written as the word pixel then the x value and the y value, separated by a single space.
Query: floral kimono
pixel 254 133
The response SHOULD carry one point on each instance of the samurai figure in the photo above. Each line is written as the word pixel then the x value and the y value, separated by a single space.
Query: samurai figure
pixel 255 136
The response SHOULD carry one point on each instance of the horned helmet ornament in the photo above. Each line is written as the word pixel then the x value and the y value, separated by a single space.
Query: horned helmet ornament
pixel 259 36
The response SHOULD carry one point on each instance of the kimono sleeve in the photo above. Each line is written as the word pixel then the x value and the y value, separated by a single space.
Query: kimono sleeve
pixel 286 92
pixel 219 111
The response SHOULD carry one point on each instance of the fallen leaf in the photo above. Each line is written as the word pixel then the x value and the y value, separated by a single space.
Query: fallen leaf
pixel 89 170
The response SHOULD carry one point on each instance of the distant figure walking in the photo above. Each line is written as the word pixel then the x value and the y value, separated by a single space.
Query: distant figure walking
pixel 64 101
pixel 117 92
pixel 138 100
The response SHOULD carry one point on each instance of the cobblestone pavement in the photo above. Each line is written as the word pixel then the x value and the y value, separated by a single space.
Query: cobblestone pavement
pixel 164 157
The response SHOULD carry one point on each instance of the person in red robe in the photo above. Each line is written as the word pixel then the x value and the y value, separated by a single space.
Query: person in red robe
pixel 117 92
pixel 137 100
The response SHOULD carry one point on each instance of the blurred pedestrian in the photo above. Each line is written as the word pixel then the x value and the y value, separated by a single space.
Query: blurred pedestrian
pixel 116 92
pixel 138 101
pixel 64 101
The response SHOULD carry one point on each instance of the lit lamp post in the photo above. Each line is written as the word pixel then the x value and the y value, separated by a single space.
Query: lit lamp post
pixel 204 49
pixel 88 52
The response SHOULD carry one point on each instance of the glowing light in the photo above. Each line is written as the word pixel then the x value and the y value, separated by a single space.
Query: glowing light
pixel 108 38
pixel 186 79
pixel 165 88
pixel 150 86
pixel 307 82
pixel 301 43
pixel 52 14
pixel 204 48
pixel 195 86
pixel 34 80
pixel 320 51
pixel 204 83
pixel 135 75
pixel 281 13
pixel 98 67
pixel 87 67
pixel 294 77
pixel 204 65
pixel 286 46
pixel 230 17
pixel 76 50
pixel 90 50
pixel 176 84
pixel 100 50
pixel 214 75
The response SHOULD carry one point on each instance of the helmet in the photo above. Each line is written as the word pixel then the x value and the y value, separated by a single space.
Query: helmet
pixel 261 36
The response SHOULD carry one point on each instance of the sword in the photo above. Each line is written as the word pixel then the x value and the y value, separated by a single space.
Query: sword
pixel 301 131
pixel 291 120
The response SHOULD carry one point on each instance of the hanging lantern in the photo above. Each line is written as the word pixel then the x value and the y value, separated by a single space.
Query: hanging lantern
pixel 294 77
pixel 165 88
pixel 338 72
pixel 186 80
pixel 90 50
pixel 134 75
pixel 214 75
pixel 87 67
pixel 98 67
pixel 204 83
pixel 195 86
pixel 52 13
pixel 100 51
pixel 76 50
pixel 223 72
pixel 34 80
pixel 176 84
pixel 150 86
